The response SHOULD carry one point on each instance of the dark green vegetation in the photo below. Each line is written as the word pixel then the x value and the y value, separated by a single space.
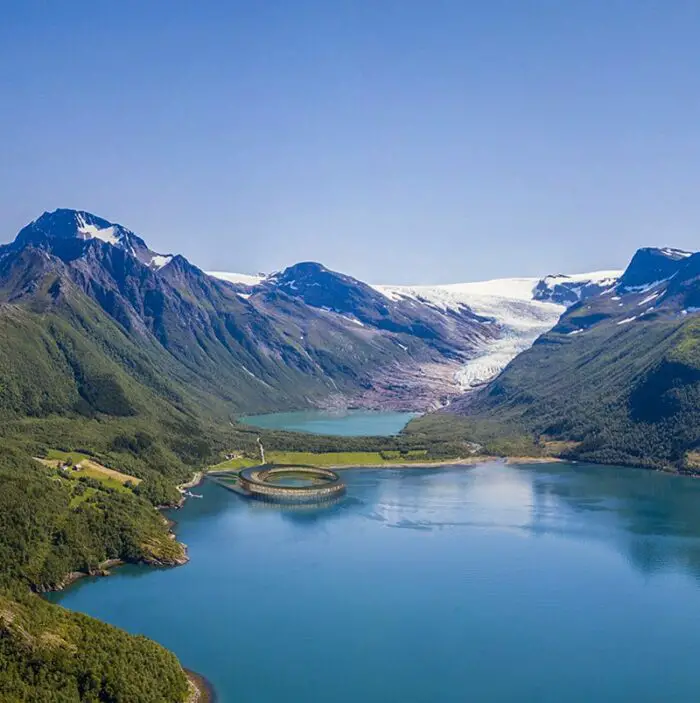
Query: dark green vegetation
pixel 48 654
pixel 617 381
pixel 52 526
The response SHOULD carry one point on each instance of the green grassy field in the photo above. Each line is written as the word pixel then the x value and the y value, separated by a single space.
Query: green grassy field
pixel 78 498
pixel 234 464
pixel 105 480
pixel 110 477
pixel 84 465
pixel 328 459
pixel 72 457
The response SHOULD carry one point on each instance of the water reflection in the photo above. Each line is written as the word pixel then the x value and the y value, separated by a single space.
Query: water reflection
pixel 432 584
pixel 652 518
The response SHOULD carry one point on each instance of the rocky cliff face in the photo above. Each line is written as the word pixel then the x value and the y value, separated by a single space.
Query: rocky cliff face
pixel 650 266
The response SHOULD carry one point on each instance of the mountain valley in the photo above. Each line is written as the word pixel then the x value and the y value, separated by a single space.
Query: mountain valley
pixel 617 379
pixel 306 336
pixel 144 363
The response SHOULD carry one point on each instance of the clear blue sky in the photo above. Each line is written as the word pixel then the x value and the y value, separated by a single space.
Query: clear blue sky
pixel 396 140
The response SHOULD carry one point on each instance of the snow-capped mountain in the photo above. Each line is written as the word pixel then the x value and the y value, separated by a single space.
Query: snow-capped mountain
pixel 650 266
pixel 618 377
pixel 305 336
pixel 521 308
pixel 518 310
pixel 567 290
pixel 67 225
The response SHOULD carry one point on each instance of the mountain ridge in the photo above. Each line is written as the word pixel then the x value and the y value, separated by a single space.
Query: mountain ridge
pixel 271 347
pixel 521 309
pixel 618 377
pixel 305 336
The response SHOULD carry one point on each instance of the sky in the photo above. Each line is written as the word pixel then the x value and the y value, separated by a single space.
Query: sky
pixel 399 141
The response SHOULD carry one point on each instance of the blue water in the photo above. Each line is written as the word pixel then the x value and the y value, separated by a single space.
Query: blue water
pixel 494 583
pixel 350 423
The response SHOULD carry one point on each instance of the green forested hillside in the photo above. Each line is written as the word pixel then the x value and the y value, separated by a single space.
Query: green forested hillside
pixel 52 525
pixel 616 393
pixel 71 379
pixel 48 655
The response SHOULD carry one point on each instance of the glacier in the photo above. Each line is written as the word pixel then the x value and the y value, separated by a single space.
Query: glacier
pixel 521 308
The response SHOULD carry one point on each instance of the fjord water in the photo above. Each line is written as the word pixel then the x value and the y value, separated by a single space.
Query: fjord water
pixel 539 583
pixel 349 423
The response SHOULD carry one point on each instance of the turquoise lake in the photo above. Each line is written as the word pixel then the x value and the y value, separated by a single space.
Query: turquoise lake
pixel 535 583
pixel 349 423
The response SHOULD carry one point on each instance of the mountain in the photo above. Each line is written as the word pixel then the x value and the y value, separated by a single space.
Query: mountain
pixel 618 377
pixel 486 323
pixel 98 323
pixel 396 354
pixel 568 290
pixel 101 324
pixel 62 227
pixel 650 266
pixel 520 308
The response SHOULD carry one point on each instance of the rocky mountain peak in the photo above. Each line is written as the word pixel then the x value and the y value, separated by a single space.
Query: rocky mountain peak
pixel 59 230
pixel 567 290
pixel 322 288
pixel 651 265
pixel 75 224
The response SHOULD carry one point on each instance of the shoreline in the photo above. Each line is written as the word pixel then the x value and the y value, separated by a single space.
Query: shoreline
pixel 194 481
pixel 465 461
pixel 103 569
pixel 201 691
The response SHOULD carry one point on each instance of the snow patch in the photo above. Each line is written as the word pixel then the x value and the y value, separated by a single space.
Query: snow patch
pixel 352 319
pixel 676 253
pixel 647 286
pixel 105 234
pixel 649 298
pixel 159 260
pixel 244 278
pixel 626 320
